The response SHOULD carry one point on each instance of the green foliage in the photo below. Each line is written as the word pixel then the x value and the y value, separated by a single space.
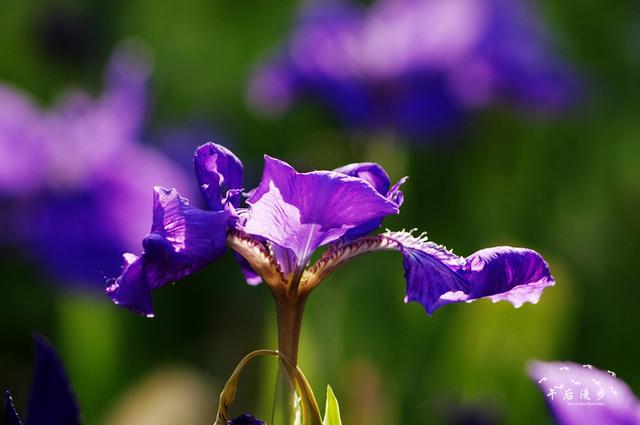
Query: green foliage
pixel 332 410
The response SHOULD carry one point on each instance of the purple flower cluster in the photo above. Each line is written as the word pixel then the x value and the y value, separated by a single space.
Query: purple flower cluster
pixel 289 215
pixel 414 66
pixel 74 179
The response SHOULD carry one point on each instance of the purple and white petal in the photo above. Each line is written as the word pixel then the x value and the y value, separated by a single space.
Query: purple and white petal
pixel 581 394
pixel 517 275
pixel 435 276
pixel 183 240
pixel 303 211
pixel 219 174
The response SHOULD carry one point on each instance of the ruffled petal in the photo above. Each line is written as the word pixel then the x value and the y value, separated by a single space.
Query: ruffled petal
pixel 11 416
pixel 302 211
pixel 183 240
pixel 579 395
pixel 436 276
pixel 52 401
pixel 377 177
pixel 370 172
pixel 220 174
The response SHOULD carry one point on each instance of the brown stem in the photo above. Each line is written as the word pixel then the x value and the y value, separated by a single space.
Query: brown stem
pixel 289 308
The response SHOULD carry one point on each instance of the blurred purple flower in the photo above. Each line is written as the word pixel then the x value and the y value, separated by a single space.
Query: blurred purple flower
pixel 246 419
pixel 290 215
pixel 74 179
pixel 580 394
pixel 415 66
pixel 51 401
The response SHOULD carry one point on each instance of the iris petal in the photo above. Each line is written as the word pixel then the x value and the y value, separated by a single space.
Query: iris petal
pixel 377 177
pixel 183 240
pixel 596 397
pixel 303 211
pixel 220 174
pixel 370 172
pixel 436 277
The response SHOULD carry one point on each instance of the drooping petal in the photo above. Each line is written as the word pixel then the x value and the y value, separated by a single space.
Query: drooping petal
pixel 220 174
pixel 183 240
pixel 11 416
pixel 579 395
pixel 430 272
pixel 436 277
pixel 52 401
pixel 302 211
pixel 246 419
pixel 517 275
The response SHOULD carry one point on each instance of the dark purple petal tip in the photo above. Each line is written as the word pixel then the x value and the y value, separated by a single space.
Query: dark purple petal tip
pixel 246 419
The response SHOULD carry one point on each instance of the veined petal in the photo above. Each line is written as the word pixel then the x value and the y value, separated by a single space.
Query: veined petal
pixel 436 277
pixel 220 174
pixel 430 272
pixel 581 394
pixel 183 240
pixel 302 211
pixel 52 401
pixel 517 275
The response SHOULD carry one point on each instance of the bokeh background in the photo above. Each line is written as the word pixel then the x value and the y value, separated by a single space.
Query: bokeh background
pixel 566 184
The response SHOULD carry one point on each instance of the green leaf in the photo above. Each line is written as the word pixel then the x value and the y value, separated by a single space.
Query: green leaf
pixel 332 410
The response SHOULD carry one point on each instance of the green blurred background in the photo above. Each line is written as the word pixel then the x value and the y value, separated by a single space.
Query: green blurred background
pixel 569 188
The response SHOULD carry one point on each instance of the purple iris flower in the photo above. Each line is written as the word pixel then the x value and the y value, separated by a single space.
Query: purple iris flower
pixel 74 179
pixel 51 401
pixel 289 216
pixel 581 394
pixel 415 66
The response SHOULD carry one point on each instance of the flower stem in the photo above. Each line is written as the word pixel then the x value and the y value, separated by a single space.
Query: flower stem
pixel 289 308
